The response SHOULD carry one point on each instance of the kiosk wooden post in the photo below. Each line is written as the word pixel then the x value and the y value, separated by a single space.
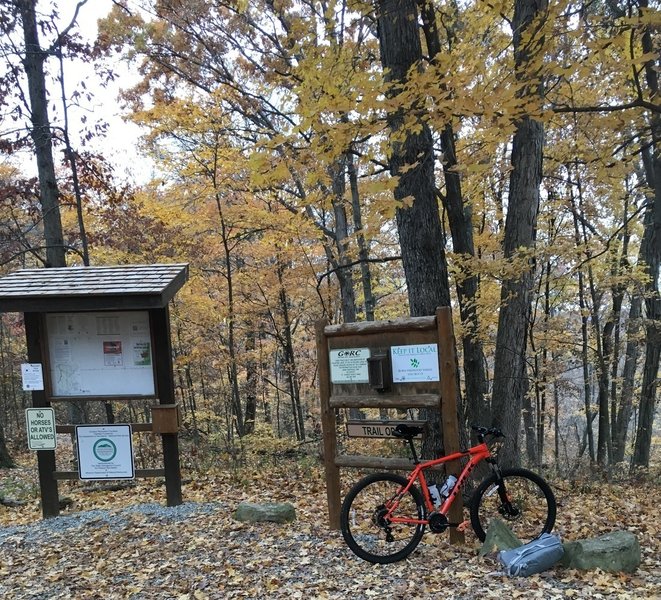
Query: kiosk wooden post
pixel 381 392
pixel 170 440
pixel 328 428
pixel 50 500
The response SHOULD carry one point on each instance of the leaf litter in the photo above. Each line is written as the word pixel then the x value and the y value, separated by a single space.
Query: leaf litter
pixel 128 544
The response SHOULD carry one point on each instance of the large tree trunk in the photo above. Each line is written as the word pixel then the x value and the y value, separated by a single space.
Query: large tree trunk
pixel 41 134
pixel 412 162
pixel 625 407
pixel 461 228
pixel 363 249
pixel 520 230
pixel 651 254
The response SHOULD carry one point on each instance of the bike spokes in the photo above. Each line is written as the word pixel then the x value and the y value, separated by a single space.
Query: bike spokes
pixel 372 517
pixel 520 498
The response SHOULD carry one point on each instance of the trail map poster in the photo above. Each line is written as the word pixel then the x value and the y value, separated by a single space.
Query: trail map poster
pixel 100 354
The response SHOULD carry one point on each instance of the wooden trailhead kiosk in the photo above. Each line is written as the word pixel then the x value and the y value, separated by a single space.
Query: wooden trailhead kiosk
pixel 98 334
pixel 407 363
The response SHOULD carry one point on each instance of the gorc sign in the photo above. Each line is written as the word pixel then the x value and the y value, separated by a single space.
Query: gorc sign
pixel 349 365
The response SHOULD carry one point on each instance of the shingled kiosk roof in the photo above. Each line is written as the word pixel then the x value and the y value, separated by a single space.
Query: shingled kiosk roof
pixel 91 288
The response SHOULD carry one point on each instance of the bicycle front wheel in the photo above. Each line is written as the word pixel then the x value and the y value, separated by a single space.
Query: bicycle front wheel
pixel 366 527
pixel 522 499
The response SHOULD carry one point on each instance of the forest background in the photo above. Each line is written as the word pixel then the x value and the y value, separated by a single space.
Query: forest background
pixel 352 161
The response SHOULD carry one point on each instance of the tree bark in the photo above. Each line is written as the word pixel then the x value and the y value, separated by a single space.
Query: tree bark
pixel 6 461
pixel 651 254
pixel 520 230
pixel 344 272
pixel 625 407
pixel 251 381
pixel 363 249
pixel 42 136
pixel 411 161
pixel 460 218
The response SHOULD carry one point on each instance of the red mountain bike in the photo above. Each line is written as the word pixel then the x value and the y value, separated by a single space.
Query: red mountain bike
pixel 384 515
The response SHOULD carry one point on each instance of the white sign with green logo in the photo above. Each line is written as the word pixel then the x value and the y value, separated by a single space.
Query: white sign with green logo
pixel 105 452
pixel 418 362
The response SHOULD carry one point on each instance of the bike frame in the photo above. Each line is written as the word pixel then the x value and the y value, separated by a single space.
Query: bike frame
pixel 476 455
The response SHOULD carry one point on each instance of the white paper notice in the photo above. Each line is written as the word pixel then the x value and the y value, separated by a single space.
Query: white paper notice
pixel 32 376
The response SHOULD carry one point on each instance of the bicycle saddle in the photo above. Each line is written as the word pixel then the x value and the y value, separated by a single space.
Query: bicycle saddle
pixel 406 432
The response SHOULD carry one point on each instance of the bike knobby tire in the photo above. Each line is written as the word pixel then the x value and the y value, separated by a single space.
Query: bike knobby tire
pixel 364 526
pixel 524 501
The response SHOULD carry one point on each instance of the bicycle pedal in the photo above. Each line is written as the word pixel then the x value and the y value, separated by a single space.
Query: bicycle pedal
pixel 463 526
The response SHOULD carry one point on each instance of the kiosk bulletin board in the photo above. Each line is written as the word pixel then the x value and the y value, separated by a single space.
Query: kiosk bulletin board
pixel 100 354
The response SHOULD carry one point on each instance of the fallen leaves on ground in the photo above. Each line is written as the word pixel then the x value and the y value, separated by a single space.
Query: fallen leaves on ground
pixel 211 556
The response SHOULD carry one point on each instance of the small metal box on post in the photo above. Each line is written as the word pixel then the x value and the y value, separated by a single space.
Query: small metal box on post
pixel 100 334
pixel 379 372
pixel 165 418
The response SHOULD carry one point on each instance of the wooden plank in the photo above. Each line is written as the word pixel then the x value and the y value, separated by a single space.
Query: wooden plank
pixel 380 429
pixel 160 328
pixel 367 327
pixel 42 304
pixel 139 473
pixel 356 461
pixel 46 464
pixel 385 401
pixel 135 427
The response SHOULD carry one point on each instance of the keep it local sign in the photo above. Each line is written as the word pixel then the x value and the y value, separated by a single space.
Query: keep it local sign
pixel 40 424
pixel 105 452
pixel 417 362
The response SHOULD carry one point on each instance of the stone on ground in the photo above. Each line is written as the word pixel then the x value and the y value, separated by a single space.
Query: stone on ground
pixel 275 512
pixel 615 552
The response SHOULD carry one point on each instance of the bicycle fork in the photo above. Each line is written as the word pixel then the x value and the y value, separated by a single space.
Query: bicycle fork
pixel 507 509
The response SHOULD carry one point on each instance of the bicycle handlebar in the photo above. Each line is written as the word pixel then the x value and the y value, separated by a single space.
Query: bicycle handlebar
pixel 483 431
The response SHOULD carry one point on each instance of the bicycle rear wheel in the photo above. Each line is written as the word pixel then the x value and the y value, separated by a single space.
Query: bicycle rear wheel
pixel 524 501
pixel 365 527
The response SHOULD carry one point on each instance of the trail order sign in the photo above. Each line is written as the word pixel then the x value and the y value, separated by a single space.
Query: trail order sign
pixel 41 428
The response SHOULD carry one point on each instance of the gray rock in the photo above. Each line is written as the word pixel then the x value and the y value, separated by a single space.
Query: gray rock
pixel 12 502
pixel 276 512
pixel 615 552
pixel 499 537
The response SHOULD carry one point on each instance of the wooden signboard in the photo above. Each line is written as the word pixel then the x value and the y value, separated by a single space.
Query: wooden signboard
pixel 407 364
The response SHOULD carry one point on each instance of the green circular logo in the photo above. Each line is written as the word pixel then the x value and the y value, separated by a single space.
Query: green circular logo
pixel 104 449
